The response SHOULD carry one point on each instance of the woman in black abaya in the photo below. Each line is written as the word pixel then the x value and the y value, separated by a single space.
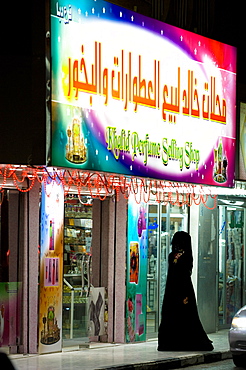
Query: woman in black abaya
pixel 181 328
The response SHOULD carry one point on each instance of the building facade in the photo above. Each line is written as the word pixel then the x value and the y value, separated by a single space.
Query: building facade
pixel 71 235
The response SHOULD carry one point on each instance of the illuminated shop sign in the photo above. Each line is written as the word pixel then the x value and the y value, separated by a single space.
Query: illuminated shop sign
pixel 135 96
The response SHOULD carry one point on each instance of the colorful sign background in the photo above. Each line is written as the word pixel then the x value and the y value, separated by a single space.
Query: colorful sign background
pixel 136 278
pixel 51 268
pixel 135 96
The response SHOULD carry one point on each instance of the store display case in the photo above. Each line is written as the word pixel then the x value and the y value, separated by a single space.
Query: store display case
pixel 77 228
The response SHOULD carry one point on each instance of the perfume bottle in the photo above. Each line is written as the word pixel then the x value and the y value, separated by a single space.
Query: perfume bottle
pixel 76 136
pixel 51 234
pixel 224 168
pixel 53 272
pixel 220 154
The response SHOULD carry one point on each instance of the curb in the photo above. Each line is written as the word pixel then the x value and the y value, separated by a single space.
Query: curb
pixel 173 363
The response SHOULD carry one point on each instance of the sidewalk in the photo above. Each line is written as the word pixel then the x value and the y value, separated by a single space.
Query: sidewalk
pixel 124 356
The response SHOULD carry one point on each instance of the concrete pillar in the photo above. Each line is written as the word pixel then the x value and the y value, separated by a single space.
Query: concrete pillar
pixel 108 259
pixel 28 244
pixel 96 242
pixel 33 243
pixel 120 270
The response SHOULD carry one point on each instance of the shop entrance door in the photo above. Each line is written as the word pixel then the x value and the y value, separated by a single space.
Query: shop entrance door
pixel 12 250
pixel 231 292
pixel 162 222
pixel 77 270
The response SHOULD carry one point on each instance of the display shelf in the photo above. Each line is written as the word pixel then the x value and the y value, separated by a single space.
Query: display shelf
pixel 78 211
pixel 77 229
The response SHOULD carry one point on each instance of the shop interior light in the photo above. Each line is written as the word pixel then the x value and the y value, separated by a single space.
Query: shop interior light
pixel 102 185
pixel 235 203
pixel 239 190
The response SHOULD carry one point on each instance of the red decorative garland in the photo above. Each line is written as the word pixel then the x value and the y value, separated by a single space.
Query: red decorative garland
pixel 101 185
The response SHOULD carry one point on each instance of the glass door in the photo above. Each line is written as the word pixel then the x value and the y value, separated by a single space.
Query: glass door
pixel 231 260
pixel 178 219
pixel 164 251
pixel 163 222
pixel 77 270
pixel 152 269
